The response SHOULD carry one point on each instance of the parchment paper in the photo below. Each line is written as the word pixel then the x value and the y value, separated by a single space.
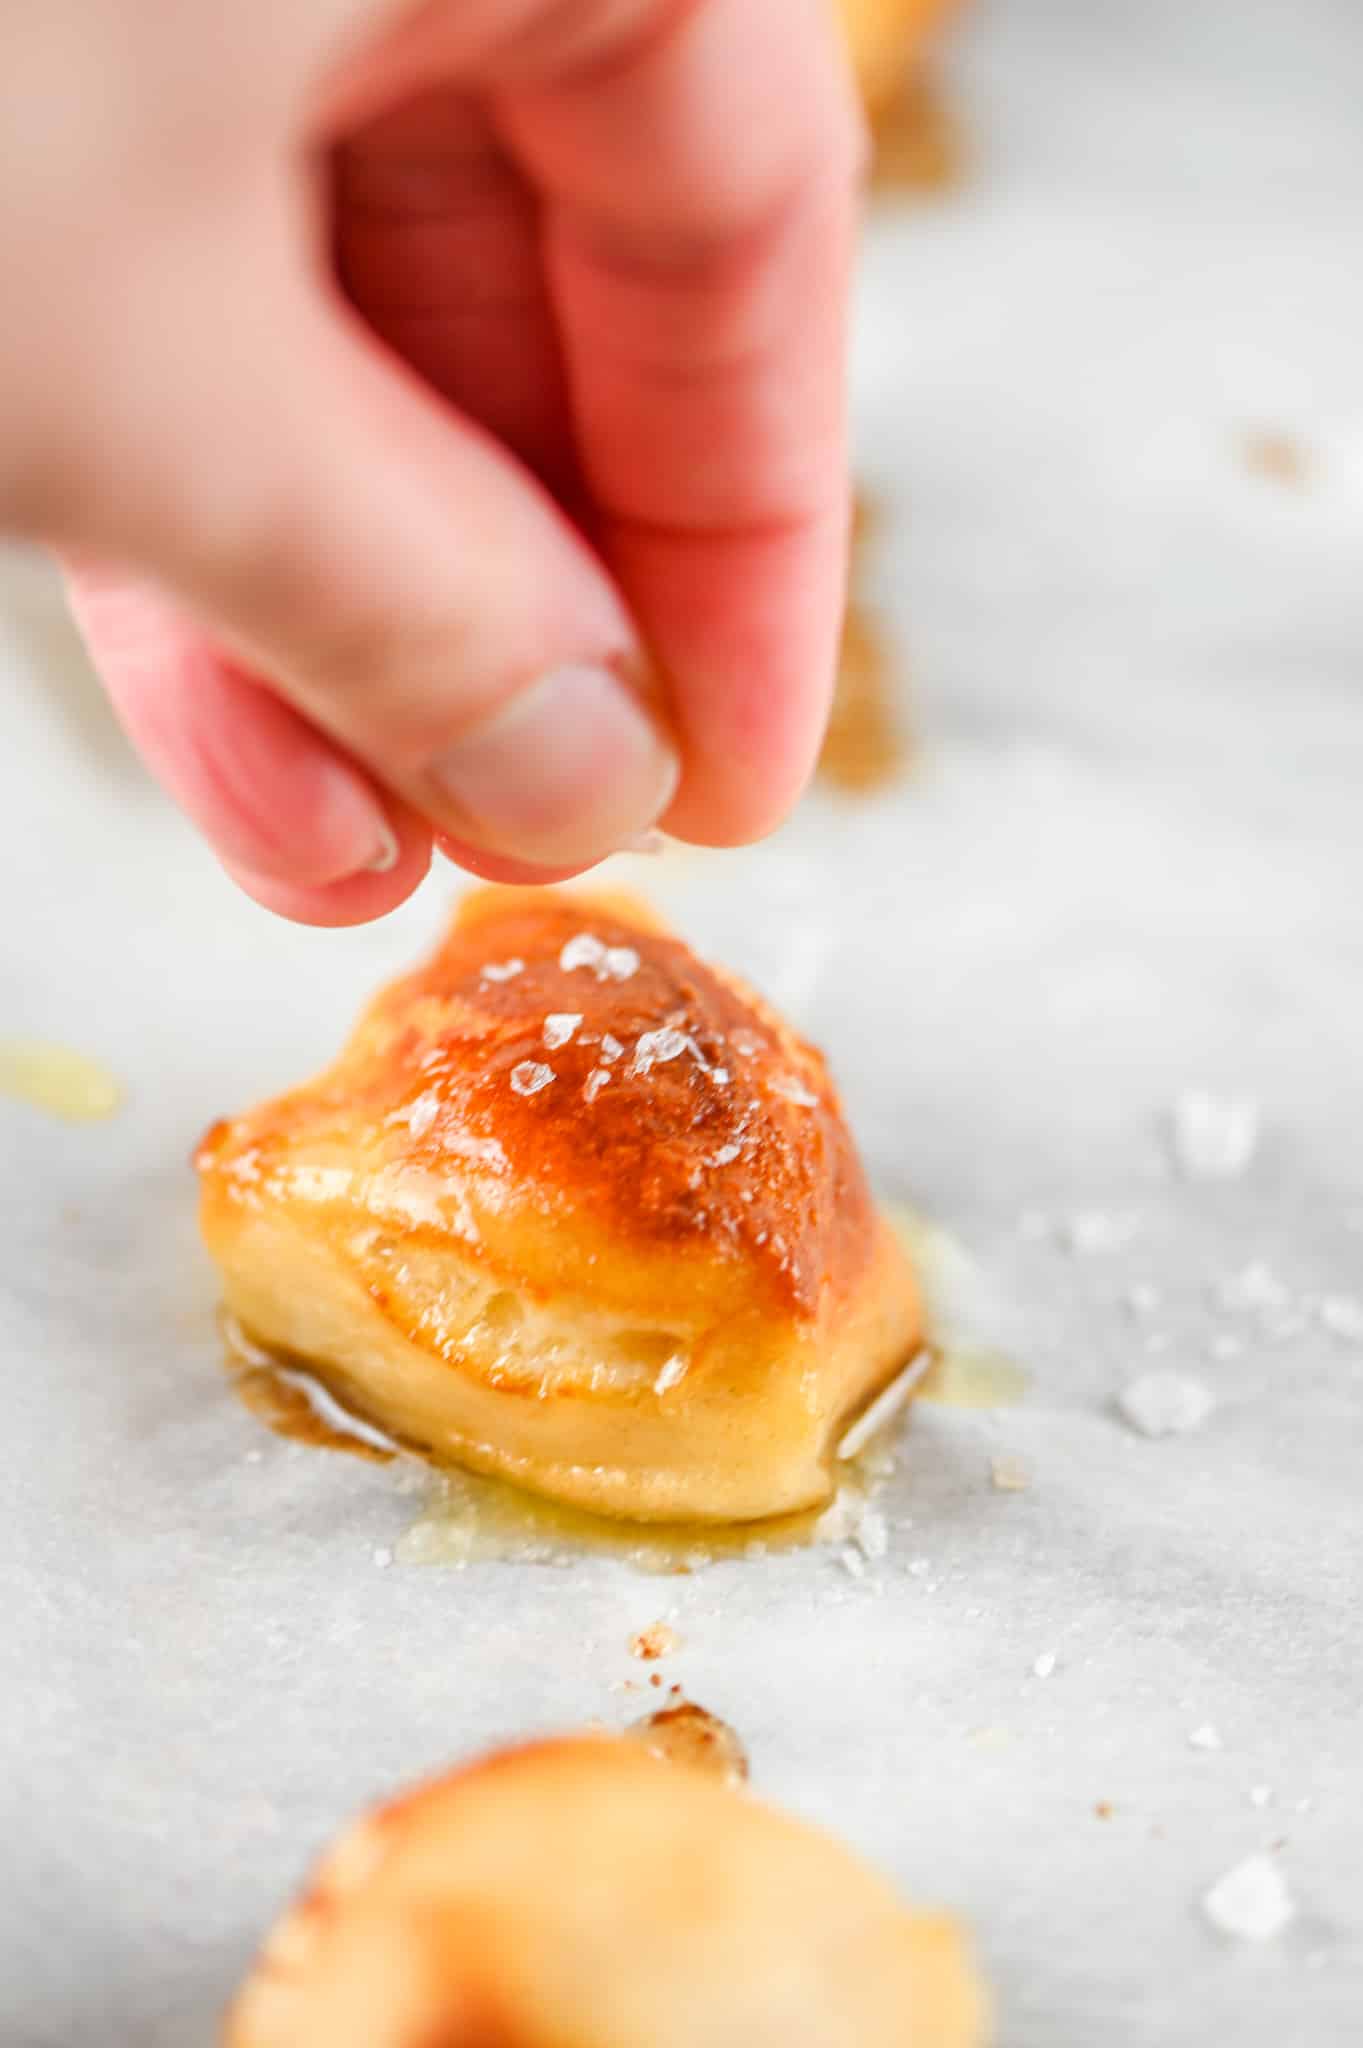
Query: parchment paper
pixel 1128 864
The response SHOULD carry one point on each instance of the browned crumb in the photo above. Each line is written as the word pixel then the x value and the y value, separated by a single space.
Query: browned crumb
pixel 656 1641
pixel 1008 1474
pixel 688 1734
pixel 1277 457
pixel 1103 1809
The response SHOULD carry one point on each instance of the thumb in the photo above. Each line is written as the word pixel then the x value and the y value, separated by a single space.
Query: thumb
pixel 375 562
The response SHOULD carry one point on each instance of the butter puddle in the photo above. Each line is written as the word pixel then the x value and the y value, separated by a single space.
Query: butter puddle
pixel 53 1078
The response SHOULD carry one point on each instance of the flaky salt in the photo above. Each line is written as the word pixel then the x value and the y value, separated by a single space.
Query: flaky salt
pixel 529 1077
pixel 791 1089
pixel 1342 1316
pixel 502 970
pixel 1254 1290
pixel 1214 1136
pixel 656 1048
pixel 1251 1902
pixel 1165 1404
pixel 559 1027
pixel 1094 1230
pixel 726 1155
pixel 608 963
pixel 595 1082
pixel 872 1533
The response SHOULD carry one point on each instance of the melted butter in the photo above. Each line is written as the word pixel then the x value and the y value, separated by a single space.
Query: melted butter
pixel 691 1735
pixel 973 1379
pixel 969 1369
pixel 294 1403
pixel 62 1082
pixel 469 1519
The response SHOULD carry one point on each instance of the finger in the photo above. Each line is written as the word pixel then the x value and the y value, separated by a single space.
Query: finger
pixel 437 239
pixel 399 580
pixel 699 182
pixel 356 900
pixel 269 793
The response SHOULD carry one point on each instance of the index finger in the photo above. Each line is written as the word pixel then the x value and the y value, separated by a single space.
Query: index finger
pixel 699 187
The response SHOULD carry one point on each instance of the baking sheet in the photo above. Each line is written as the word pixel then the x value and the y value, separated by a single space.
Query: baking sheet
pixel 1127 865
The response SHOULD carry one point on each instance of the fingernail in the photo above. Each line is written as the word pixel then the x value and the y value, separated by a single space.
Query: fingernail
pixel 561 775
pixel 385 855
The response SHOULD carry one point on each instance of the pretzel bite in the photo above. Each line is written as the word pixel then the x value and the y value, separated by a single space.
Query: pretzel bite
pixel 578 1210
pixel 584 1894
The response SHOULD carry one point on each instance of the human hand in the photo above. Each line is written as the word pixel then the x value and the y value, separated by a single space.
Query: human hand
pixel 441 409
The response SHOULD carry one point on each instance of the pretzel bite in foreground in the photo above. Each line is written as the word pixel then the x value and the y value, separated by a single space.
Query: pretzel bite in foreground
pixel 584 1894
pixel 575 1209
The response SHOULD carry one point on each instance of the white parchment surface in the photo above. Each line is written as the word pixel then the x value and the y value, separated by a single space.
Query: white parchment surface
pixel 1129 864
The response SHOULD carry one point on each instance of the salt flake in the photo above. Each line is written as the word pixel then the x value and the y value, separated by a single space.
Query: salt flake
pixel 502 970
pixel 529 1077
pixel 1342 1316
pixel 872 1533
pixel 1165 1404
pixel 608 963
pixel 726 1155
pixel 1214 1136
pixel 656 1048
pixel 586 950
pixel 1094 1230
pixel 559 1027
pixel 1251 1902
pixel 595 1082
pixel 791 1089
pixel 1254 1290
pixel 611 1048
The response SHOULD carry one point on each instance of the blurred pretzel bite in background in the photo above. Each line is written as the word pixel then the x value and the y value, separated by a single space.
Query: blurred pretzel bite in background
pixel 585 1894
pixel 578 1210
pixel 886 38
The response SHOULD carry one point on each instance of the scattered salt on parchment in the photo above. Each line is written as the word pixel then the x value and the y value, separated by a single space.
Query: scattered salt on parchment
pixel 1342 1316
pixel 1251 1902
pixel 1095 1230
pixel 1214 1136
pixel 1165 1404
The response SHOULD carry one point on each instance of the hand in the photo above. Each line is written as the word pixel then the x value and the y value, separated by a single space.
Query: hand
pixel 441 410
